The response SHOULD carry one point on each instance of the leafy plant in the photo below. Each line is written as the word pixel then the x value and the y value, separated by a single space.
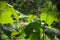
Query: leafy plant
pixel 41 23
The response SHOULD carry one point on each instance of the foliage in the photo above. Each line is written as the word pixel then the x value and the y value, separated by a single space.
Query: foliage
pixel 41 23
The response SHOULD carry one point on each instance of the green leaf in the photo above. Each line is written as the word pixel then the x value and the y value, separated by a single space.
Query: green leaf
pixel 2 5
pixel 6 14
pixel 14 13
pixel 31 18
pixel 33 30
pixel 49 18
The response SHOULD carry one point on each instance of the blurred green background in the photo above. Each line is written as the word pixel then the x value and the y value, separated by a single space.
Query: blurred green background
pixel 29 20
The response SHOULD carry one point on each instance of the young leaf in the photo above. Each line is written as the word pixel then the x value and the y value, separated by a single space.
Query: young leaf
pixel 49 18
pixel 6 13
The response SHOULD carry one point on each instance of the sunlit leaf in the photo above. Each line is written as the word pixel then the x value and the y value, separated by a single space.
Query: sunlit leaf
pixel 31 18
pixel 49 18
pixel 6 13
